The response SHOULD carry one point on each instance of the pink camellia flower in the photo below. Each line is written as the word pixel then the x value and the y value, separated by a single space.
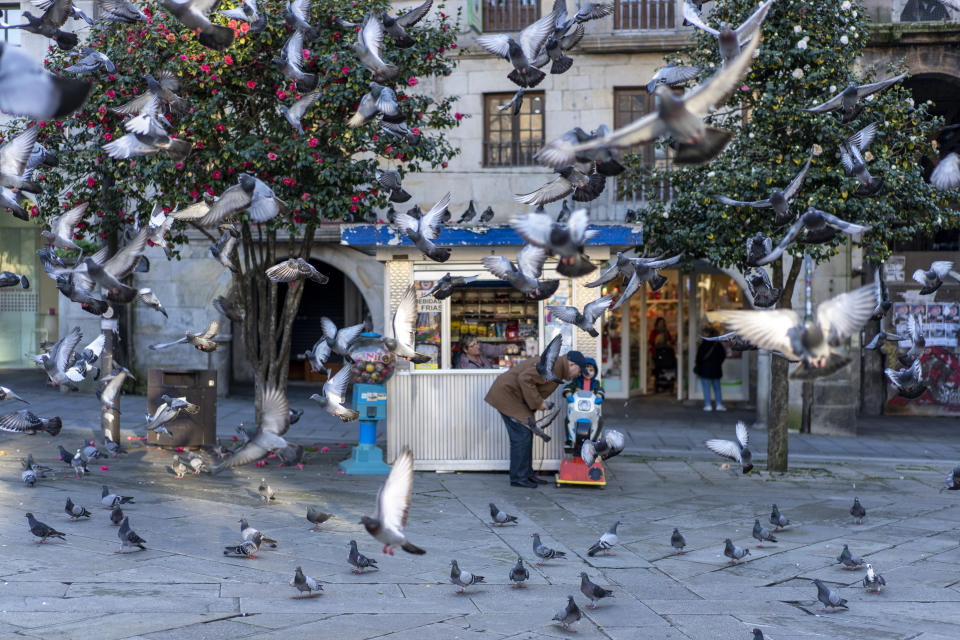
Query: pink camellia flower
pixel 299 466
pixel 415 130
pixel 412 82
pixel 104 468
pixel 281 94
pixel 345 70
pixel 458 116
pixel 272 455
pixel 244 27
pixel 216 175
pixel 179 165
pixel 353 207
pixel 108 137
pixel 34 211
pixel 272 156
pixel 91 182
pixel 235 438
pixel 744 88
pixel 288 182
pixel 342 445
pixel 180 449
pixel 205 68
pixel 355 199
pixel 305 196
pixel 312 142
pixel 251 84
pixel 194 194
pixel 325 450
pixel 228 60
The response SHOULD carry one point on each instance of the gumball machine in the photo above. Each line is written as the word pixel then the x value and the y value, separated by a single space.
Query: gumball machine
pixel 372 366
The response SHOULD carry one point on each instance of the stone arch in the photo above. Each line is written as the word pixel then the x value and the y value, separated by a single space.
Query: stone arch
pixel 364 271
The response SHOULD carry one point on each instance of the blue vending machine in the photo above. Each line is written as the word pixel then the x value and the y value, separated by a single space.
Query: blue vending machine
pixel 372 367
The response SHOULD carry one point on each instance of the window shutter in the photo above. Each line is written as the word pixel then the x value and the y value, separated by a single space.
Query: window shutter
pixel 475 15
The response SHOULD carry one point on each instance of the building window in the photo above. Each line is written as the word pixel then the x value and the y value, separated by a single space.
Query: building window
pixel 10 14
pixel 629 104
pixel 633 15
pixel 504 16
pixel 510 141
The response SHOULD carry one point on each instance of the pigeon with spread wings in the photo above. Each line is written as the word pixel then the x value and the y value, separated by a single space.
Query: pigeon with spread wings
pixel 203 341
pixel 522 54
pixel 162 87
pixel 729 40
pixel 813 227
pixel 848 100
pixel 193 15
pixel 393 505
pixel 680 118
pixel 294 269
pixel 397 26
pixel 401 343
pixel 14 156
pixel 525 275
pixel 29 91
pixel 250 193
pixel 734 450
pixel 851 155
pixel 565 240
pixel 274 424
pixel 778 200
pixel 812 339
pixel 335 395
pixel 369 49
pixel 423 231
pixel 584 321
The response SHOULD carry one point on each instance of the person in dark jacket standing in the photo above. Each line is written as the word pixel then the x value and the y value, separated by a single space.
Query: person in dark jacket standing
pixel 709 368
pixel 517 394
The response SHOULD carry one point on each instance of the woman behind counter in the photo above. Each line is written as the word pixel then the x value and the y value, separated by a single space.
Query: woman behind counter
pixel 480 355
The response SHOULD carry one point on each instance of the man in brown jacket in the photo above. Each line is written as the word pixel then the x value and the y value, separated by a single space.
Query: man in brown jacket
pixel 517 393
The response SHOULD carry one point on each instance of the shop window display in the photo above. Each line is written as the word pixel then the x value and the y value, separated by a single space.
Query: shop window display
pixel 498 316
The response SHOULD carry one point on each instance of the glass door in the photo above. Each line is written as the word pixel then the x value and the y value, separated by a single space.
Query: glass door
pixel 662 333
pixel 713 292
pixel 18 307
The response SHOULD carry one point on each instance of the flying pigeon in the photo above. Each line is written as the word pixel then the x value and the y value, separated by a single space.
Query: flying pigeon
pixel 569 614
pixel 83 362
pixel 295 112
pixel 606 542
pixel 60 357
pixel 672 75
pixel 519 574
pixel 391 181
pixel 29 91
pixel 111 500
pixel 274 424
pixel 358 560
pixel 369 49
pixel 584 321
pixel 14 156
pixel 873 581
pixel 777 519
pixel 735 450
pixel 111 392
pixel 548 358
pixel 814 227
pixel 443 288
pixel 500 518
pixel 544 552
pixel 48 24
pixel 27 422
pixel 423 231
pixel 918 341
pixel 522 54
pixel 295 269
pixel 162 88
pixel 525 275
pixel 318 355
pixel 761 534
pixel 680 118
pixel 729 40
pixel 334 396
pixel 378 100
pixel 953 480
pixel 581 182
pixel 812 339
pixel 249 194
pixel 734 552
pixel 857 511
pixel 594 592
pixel 932 278
pixel 393 504
pixel 43 531
pixel 339 340
pixel 565 240
pixel 147 135
pixel 554 48
pixel 829 597
pixel 122 11
pixel 246 549
pixel 291 63
pixel 764 294
pixel 608 445
pixel 778 200
pixel 317 517
pixel 75 511
pixel 296 14
pixel 193 15
pixel 946 175
pixel 202 341
pixel 883 295
pixel 851 156
pixel 461 578
pixel 909 382
pixel 641 271
pixel 62 228
pixel 402 340
pixel 848 100
pixel 677 541
pixel 129 540
pixel 397 26
pixel 304 583
pixel 248 12
pixel 9 395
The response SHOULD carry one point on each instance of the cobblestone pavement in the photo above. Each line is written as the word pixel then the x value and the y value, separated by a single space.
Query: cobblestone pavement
pixel 183 586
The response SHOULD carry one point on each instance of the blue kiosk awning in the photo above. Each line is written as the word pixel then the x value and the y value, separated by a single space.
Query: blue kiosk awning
pixel 383 235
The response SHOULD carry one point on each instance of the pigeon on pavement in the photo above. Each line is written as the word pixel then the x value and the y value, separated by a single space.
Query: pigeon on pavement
pixel 111 500
pixel 499 517
pixel 129 540
pixel 677 541
pixel 358 560
pixel 594 592
pixel 777 519
pixel 873 581
pixel 735 450
pixel 857 511
pixel 246 549
pixel 953 480
pixel 461 578
pixel 75 511
pixel 848 100
pixel 304 583
pixel 569 614
pixel 734 552
pixel 116 516
pixel 247 533
pixel 393 505
pixel 267 493
pixel 606 542
pixel 761 534
pixel 43 531
pixel 545 553
pixel 519 574
pixel 829 597
pixel 848 560
pixel 317 517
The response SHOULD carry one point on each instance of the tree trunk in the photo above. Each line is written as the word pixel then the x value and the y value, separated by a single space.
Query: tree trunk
pixel 777 433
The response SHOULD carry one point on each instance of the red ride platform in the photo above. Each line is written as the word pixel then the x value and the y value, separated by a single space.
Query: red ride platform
pixel 575 471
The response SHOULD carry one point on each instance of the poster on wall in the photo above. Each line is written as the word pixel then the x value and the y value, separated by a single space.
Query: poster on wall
pixel 894 269
pixel 428 332
pixel 941 373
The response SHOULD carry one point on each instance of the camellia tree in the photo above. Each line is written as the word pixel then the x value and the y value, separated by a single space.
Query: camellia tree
pixel 235 125
pixel 807 55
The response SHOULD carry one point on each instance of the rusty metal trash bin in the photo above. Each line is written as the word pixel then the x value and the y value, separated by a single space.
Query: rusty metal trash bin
pixel 199 386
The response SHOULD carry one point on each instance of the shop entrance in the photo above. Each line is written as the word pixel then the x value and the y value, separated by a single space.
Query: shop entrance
pixel 650 342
